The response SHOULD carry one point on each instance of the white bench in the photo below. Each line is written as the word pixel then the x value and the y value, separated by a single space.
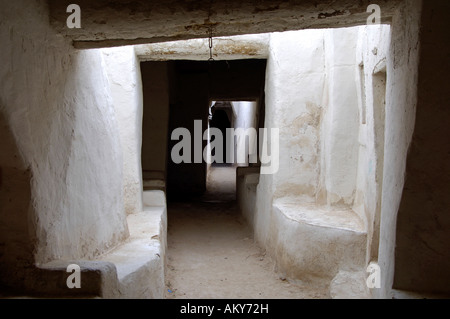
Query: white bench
pixel 134 269
pixel 314 241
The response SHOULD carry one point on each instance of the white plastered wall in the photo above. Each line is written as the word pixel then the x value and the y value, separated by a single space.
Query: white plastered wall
pixel 401 100
pixel 58 105
pixel 323 105
pixel 67 132
pixel 245 119
pixel 340 120
pixel 328 152
pixel 122 66
pixel 371 56
pixel 311 98
pixel 296 91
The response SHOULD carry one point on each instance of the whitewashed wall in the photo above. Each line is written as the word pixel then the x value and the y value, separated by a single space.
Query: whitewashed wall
pixel 58 105
pixel 401 100
pixel 340 122
pixel 371 56
pixel 61 107
pixel 245 119
pixel 319 92
pixel 124 76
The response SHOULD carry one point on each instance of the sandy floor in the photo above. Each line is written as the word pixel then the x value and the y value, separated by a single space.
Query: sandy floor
pixel 211 252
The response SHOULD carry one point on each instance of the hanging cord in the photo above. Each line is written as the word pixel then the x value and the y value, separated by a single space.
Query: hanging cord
pixel 210 65
pixel 210 32
pixel 210 44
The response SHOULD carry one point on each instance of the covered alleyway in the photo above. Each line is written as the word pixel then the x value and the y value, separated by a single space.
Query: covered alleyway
pixel 212 254
pixel 355 94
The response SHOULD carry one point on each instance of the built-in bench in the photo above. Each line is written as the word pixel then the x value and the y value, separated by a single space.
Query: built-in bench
pixel 140 261
pixel 317 240
pixel 313 241
pixel 310 242
pixel 307 241
pixel 247 179
pixel 135 269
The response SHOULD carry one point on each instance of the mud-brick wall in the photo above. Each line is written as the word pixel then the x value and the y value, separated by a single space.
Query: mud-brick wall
pixel 61 190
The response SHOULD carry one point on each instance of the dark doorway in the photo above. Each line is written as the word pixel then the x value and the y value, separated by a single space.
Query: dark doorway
pixel 191 86
pixel 221 121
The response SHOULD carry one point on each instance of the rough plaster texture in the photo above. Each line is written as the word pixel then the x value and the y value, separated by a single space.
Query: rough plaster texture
pixel 299 61
pixel 224 48
pixel 401 99
pixel 118 22
pixel 371 53
pixel 58 107
pixel 134 269
pixel 98 279
pixel 340 126
pixel 62 138
pixel 328 152
pixel 349 285
pixel 313 241
pixel 140 261
pixel 122 67
pixel 88 214
pixel 247 179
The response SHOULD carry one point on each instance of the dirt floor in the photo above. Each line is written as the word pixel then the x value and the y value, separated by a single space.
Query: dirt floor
pixel 212 254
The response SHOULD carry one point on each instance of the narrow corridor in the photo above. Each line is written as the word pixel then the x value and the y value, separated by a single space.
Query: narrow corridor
pixel 211 252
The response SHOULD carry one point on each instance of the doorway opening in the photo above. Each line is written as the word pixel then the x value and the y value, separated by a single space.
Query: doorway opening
pixel 232 143
pixel 189 94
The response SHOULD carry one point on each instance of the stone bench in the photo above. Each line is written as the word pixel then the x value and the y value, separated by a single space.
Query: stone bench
pixel 312 241
pixel 247 179
pixel 134 269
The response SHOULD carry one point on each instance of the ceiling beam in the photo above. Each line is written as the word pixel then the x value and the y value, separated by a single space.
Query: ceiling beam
pixel 106 23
